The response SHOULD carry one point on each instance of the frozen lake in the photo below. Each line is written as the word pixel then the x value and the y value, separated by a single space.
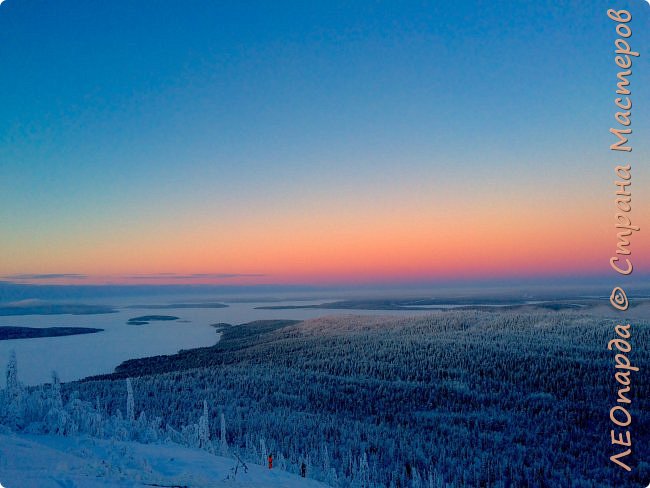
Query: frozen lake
pixel 75 357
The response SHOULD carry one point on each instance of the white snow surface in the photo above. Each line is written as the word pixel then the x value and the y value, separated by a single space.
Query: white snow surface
pixel 40 461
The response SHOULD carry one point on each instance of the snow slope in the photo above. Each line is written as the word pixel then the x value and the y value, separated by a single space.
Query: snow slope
pixel 37 461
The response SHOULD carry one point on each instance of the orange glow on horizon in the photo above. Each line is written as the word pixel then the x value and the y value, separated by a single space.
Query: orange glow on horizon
pixel 413 245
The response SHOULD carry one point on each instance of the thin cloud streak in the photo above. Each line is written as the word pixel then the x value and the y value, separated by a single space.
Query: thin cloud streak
pixel 47 276
pixel 58 278
pixel 194 276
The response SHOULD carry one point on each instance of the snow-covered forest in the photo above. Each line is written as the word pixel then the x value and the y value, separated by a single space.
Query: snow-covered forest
pixel 458 398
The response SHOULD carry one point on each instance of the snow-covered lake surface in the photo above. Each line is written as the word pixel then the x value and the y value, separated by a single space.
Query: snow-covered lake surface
pixel 79 356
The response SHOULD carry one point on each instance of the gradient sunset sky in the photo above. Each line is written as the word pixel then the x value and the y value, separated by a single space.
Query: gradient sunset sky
pixel 314 142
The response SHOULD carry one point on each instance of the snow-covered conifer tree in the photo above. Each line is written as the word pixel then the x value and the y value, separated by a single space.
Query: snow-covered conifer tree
pixel 223 441
pixel 57 419
pixel 14 409
pixel 57 400
pixel 204 427
pixel 130 402
pixel 416 481
pixel 12 373
pixel 264 451
pixel 364 471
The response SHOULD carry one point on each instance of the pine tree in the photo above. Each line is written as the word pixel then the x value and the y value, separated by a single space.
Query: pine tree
pixel 130 403
pixel 204 427
pixel 223 440
pixel 264 452
pixel 12 373
pixel 416 481
pixel 364 471
pixel 15 406
pixel 57 400
pixel 57 419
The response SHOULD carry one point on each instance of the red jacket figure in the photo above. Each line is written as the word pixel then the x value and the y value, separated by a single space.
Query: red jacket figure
pixel 270 461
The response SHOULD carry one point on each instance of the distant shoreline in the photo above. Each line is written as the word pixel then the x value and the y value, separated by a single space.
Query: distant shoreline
pixel 54 309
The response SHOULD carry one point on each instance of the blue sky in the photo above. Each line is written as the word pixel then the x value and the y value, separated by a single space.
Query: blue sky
pixel 119 118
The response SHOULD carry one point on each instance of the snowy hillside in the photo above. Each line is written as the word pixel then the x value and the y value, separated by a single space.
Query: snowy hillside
pixel 459 398
pixel 43 461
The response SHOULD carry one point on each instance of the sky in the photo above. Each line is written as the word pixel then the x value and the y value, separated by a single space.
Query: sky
pixel 314 142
